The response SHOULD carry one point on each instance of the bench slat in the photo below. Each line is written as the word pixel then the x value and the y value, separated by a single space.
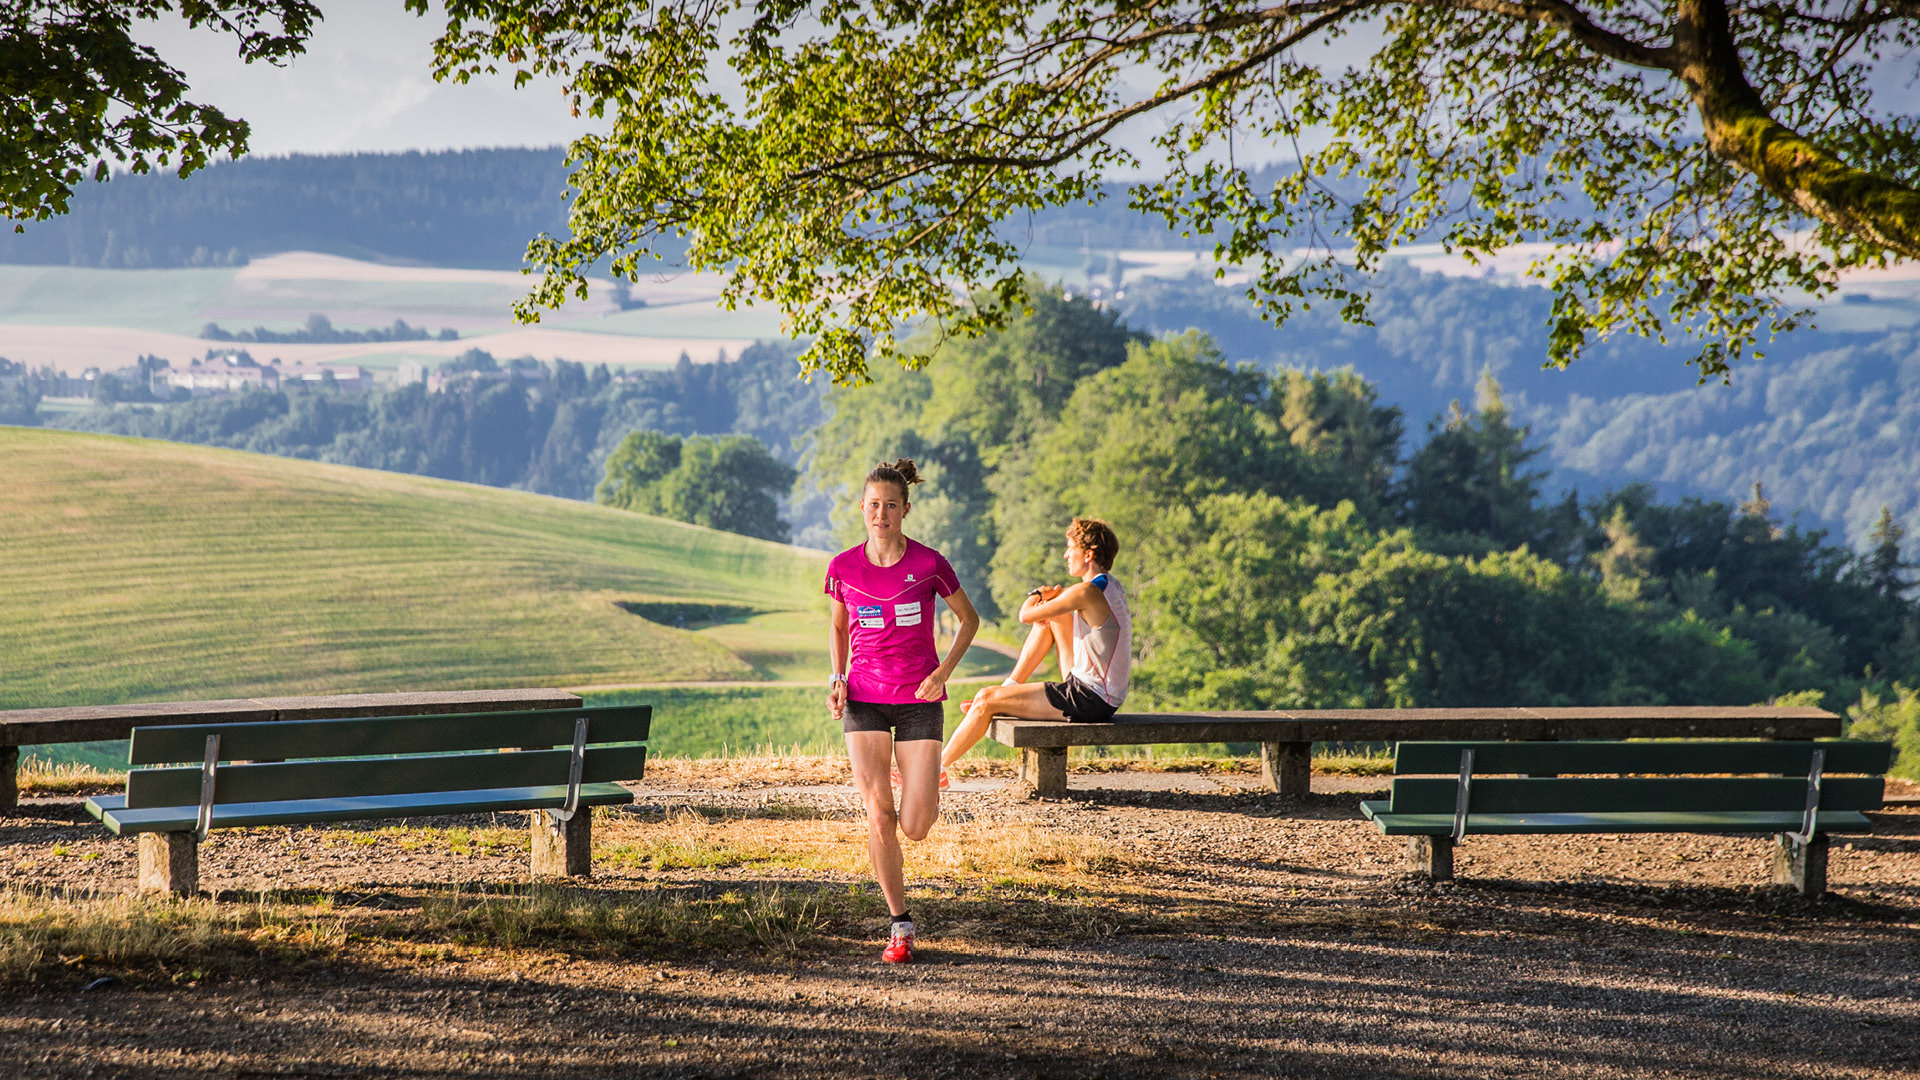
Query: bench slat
pixel 111 810
pixel 1658 794
pixel 1842 756
pixel 1393 824
pixel 367 777
pixel 375 736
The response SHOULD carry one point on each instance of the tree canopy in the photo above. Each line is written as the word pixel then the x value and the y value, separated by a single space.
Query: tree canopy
pixel 1687 162
pixel 78 94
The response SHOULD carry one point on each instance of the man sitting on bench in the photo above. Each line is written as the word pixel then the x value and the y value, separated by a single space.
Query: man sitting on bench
pixel 1087 624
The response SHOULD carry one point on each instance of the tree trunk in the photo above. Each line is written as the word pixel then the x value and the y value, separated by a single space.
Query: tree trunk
pixel 1741 131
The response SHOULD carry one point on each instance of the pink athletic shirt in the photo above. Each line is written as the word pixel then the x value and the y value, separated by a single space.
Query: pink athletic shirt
pixel 890 619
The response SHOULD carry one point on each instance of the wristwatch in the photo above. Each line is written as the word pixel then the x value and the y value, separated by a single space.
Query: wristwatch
pixel 834 678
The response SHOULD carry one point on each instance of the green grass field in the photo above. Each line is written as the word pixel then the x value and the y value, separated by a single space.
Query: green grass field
pixel 150 571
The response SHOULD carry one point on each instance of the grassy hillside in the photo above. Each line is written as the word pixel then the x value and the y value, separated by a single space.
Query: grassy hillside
pixel 140 570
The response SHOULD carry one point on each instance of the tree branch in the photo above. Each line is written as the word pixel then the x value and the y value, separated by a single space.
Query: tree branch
pixel 1740 130
pixel 1577 24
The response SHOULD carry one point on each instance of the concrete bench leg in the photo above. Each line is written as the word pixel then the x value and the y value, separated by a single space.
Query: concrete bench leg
pixel 1431 855
pixel 1287 767
pixel 9 778
pixel 1044 769
pixel 563 848
pixel 169 863
pixel 1803 866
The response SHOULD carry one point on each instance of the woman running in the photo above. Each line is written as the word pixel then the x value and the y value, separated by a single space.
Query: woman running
pixel 888 682
pixel 1087 624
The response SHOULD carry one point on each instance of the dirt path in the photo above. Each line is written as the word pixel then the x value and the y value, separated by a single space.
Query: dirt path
pixel 1228 934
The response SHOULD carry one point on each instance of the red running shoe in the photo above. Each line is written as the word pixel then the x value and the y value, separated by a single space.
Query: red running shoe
pixel 899 948
pixel 943 780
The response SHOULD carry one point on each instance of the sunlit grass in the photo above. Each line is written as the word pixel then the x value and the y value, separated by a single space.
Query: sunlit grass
pixel 144 570
pixel 176 940
pixel 41 777
pixel 955 851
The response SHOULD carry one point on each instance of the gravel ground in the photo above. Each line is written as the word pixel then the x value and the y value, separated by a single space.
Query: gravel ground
pixel 1302 949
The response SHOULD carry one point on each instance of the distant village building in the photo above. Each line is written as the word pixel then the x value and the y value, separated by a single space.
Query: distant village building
pixel 229 372
pixel 526 376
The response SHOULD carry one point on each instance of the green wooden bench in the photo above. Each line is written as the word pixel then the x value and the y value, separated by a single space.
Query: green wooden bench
pixel 1634 787
pixel 292 772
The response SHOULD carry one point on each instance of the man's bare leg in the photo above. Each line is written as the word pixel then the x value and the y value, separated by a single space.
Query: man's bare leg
pixel 1054 635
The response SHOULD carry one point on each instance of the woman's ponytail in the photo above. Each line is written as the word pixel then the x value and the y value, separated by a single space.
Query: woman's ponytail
pixel 900 472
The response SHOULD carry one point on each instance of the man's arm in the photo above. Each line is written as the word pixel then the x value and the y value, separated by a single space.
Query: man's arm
pixel 1053 601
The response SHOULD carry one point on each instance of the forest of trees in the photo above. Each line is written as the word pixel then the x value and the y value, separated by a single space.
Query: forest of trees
pixel 1290 536
pixel 551 435
pixel 1285 549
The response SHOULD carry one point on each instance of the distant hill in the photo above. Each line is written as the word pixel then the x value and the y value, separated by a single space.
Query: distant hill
pixel 141 570
pixel 460 208
pixel 467 208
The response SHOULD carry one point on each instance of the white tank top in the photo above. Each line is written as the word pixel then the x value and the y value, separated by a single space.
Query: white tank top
pixel 1103 655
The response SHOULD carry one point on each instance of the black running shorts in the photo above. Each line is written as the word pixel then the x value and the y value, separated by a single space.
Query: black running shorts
pixel 1078 701
pixel 909 721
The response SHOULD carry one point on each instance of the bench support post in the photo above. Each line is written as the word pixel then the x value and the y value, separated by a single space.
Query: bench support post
pixel 169 863
pixel 1431 855
pixel 563 848
pixel 1801 865
pixel 9 777
pixel 1044 769
pixel 1287 767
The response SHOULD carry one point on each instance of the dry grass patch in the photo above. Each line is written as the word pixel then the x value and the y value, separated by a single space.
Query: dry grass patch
pixel 45 936
pixel 38 777
pixel 1355 763
pixel 761 769
pixel 777 921
pixel 956 851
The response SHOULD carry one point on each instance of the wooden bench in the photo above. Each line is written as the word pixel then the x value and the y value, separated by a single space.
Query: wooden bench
pixel 1286 737
pixel 1652 787
pixel 294 772
pixel 100 723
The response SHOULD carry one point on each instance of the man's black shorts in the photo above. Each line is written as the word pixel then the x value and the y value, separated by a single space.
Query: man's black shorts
pixel 909 721
pixel 1078 701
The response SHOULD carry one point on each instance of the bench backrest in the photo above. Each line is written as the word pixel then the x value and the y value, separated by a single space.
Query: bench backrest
pixel 370 756
pixel 1614 756
pixel 1637 791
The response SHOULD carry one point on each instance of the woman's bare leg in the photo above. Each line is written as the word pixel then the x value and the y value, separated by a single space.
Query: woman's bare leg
pixel 870 752
pixel 919 762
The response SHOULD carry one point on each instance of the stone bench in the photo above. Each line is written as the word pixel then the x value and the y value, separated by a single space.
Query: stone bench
pixel 1286 737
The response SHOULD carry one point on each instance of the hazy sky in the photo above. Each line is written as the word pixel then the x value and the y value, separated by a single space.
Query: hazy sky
pixel 365 84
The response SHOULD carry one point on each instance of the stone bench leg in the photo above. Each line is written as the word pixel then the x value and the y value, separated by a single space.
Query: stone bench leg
pixel 1803 866
pixel 1287 767
pixel 9 777
pixel 563 848
pixel 1044 769
pixel 1431 855
pixel 169 863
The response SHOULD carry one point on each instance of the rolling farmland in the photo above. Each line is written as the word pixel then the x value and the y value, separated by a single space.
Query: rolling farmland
pixel 140 570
